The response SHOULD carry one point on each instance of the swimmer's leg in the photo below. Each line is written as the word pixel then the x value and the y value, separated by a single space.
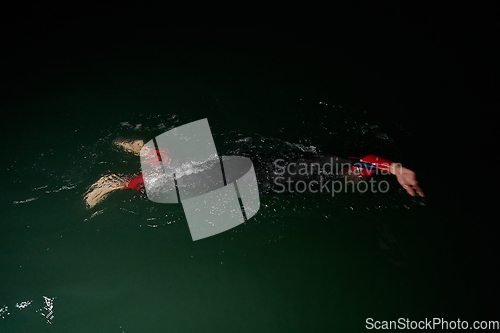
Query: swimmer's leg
pixel 131 146
pixel 102 188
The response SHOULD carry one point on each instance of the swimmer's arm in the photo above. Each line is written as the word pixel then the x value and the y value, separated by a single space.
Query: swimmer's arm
pixel 405 176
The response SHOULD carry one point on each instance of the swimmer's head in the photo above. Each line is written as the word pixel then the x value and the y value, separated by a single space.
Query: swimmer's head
pixel 152 157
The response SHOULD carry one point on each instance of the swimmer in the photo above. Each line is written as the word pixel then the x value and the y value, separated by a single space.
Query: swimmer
pixel 351 168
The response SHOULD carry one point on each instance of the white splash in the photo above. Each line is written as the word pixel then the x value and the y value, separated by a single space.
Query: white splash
pixel 23 305
pixel 48 310
pixel 24 201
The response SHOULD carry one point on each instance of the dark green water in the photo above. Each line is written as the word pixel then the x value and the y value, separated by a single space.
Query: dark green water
pixel 304 263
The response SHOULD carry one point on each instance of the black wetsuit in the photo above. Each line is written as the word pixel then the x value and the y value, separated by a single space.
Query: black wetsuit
pixel 280 170
pixel 275 173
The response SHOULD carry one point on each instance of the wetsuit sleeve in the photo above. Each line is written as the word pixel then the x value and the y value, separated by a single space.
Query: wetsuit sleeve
pixel 135 183
pixel 381 163
pixel 368 165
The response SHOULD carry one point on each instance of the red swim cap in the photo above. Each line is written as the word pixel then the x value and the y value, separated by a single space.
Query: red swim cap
pixel 153 157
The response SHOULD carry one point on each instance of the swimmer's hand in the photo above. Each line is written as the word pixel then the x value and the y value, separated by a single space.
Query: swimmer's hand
pixel 407 179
